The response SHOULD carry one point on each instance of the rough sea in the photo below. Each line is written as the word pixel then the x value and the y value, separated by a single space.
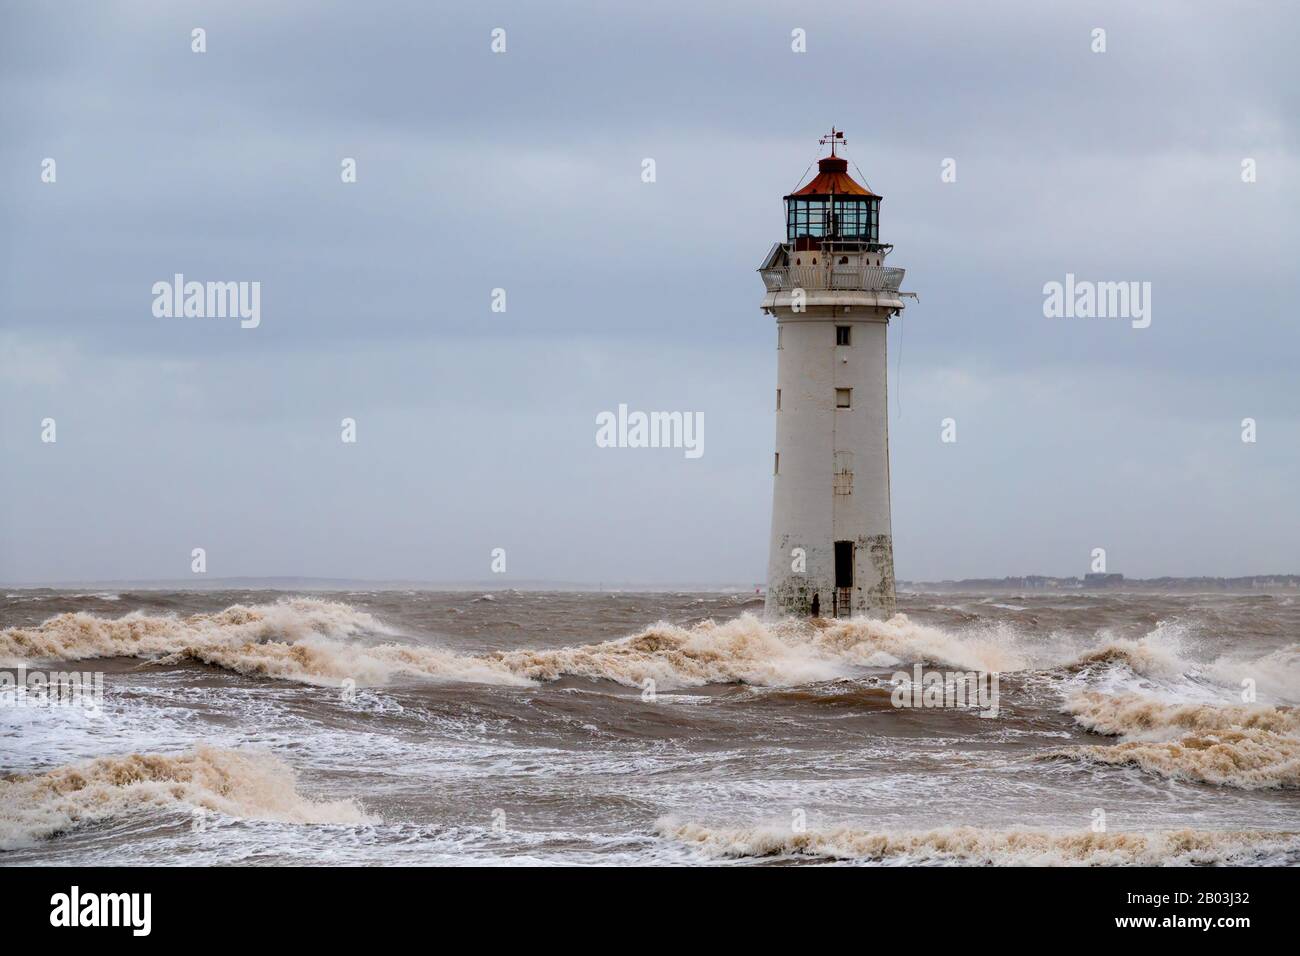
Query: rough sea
pixel 433 727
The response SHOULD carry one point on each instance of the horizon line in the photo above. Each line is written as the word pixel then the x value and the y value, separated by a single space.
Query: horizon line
pixel 270 582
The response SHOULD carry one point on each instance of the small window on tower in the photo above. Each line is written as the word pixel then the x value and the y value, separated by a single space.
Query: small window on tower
pixel 843 397
pixel 776 465
pixel 779 330
pixel 842 334
pixel 778 399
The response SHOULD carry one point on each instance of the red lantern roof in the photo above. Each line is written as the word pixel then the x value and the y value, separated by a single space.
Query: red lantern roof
pixel 833 177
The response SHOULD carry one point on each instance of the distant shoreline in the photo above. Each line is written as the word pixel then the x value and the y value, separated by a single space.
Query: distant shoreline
pixel 1028 583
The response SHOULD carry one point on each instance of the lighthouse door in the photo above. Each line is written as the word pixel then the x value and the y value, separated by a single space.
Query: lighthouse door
pixel 843 578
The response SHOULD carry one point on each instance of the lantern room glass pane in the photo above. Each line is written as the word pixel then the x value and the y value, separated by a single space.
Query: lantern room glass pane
pixel 854 219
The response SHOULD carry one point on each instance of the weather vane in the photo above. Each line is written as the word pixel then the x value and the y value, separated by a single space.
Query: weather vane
pixel 833 137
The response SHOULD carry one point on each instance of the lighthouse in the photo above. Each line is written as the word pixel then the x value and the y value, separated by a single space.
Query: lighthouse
pixel 832 548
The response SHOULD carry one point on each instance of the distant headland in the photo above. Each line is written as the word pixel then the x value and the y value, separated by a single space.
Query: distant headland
pixel 1095 582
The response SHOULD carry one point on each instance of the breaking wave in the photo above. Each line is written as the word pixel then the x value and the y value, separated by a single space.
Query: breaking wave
pixel 302 639
pixel 979 846
pixel 244 784
pixel 1276 673
pixel 1130 714
pixel 750 651
pixel 316 641
pixel 326 642
pixel 1146 657
pixel 1249 748
pixel 1160 655
pixel 79 635
pixel 1245 759
pixel 316 661
pixel 1159 660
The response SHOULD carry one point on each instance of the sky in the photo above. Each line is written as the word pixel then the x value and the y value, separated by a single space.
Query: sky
pixel 522 170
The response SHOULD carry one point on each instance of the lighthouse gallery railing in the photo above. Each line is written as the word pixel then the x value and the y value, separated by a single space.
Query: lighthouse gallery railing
pixel 816 278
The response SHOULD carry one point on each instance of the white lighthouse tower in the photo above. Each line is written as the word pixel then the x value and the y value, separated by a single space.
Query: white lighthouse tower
pixel 832 550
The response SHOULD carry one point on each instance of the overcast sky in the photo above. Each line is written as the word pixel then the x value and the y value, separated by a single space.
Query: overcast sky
pixel 522 171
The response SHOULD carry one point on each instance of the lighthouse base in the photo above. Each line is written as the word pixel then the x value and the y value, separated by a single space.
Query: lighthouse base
pixel 819 591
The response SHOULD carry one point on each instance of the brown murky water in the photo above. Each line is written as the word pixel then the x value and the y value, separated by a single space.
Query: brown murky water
pixel 522 727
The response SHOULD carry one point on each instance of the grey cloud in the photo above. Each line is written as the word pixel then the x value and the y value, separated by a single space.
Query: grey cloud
pixel 522 171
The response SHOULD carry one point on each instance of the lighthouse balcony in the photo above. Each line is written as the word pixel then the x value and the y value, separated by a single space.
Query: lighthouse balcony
pixel 829 277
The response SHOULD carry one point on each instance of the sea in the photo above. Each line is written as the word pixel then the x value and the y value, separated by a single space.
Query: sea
pixel 424 727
